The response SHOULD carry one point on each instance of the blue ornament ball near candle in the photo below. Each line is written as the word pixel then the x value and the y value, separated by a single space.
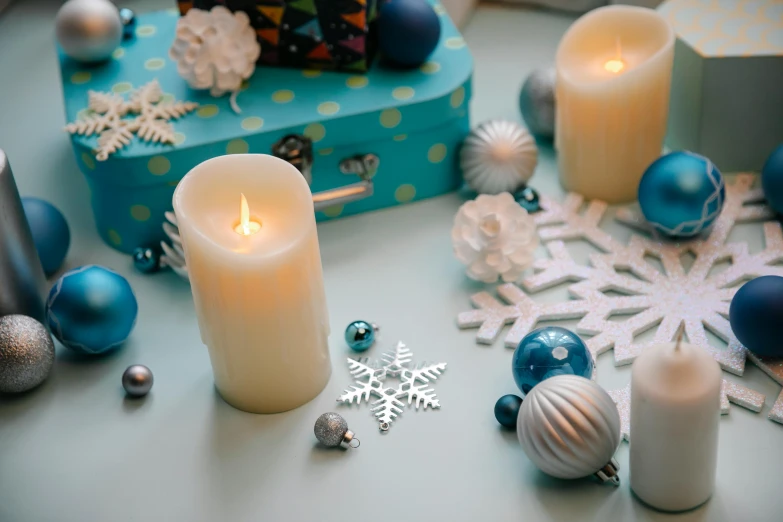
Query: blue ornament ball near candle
pixel 51 234
pixel 772 179
pixel 507 411
pixel 547 352
pixel 146 260
pixel 682 194
pixel 91 309
pixel 360 335
pixel 408 31
pixel 756 313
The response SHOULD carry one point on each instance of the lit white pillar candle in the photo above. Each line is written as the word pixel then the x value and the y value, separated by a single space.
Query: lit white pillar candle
pixel 614 70
pixel 250 241
pixel 675 415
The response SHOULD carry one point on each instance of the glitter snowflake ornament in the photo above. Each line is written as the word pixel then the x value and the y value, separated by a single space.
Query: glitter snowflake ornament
pixel 371 381
pixel 151 121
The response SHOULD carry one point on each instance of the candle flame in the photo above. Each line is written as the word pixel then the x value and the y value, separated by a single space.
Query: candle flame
pixel 246 226
pixel 616 64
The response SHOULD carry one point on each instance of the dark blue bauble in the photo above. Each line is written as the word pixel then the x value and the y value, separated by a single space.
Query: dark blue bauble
pixel 772 179
pixel 528 199
pixel 91 309
pixel 682 194
pixel 507 410
pixel 547 352
pixel 756 314
pixel 359 335
pixel 408 31
pixel 50 233
pixel 128 18
pixel 146 260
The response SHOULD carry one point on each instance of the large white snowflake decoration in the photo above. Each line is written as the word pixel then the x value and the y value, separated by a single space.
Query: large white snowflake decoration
pixel 106 118
pixel 622 281
pixel 371 381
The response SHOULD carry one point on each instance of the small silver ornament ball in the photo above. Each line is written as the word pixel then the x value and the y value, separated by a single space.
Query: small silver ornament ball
pixel 89 30
pixel 26 353
pixel 137 380
pixel 331 430
pixel 537 102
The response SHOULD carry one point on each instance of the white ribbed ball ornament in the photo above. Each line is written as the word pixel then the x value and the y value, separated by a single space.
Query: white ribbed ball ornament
pixel 498 156
pixel 570 428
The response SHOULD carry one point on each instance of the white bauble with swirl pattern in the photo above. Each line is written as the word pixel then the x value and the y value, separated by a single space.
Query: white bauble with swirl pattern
pixel 498 156
pixel 570 428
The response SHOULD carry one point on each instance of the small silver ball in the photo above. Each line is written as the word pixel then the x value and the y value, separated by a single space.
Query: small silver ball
pixel 26 353
pixel 537 102
pixel 137 380
pixel 330 429
pixel 89 30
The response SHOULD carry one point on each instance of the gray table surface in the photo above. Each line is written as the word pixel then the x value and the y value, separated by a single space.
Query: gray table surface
pixel 76 450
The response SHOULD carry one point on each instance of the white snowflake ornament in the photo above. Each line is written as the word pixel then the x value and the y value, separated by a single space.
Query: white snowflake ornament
pixel 371 381
pixel 495 237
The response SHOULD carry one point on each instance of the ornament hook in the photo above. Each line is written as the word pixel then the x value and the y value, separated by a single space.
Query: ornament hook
pixel 609 473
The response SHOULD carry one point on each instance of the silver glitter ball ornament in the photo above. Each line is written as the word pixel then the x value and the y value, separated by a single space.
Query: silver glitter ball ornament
pixel 331 430
pixel 26 353
pixel 89 30
pixel 570 428
pixel 137 380
pixel 537 102
pixel 498 156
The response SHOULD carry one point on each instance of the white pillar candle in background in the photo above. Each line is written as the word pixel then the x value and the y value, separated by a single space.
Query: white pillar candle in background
pixel 257 279
pixel 675 415
pixel 614 69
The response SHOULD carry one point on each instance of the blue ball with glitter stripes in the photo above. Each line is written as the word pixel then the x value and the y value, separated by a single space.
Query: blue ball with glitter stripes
pixel 682 194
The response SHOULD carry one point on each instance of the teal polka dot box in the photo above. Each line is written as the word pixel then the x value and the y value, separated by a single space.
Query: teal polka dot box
pixel 369 141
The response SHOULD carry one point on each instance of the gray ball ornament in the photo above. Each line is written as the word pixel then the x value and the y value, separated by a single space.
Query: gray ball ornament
pixel 537 102
pixel 26 353
pixel 331 430
pixel 89 30
pixel 137 380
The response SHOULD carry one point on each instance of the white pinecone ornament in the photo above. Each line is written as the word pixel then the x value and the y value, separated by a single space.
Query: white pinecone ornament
pixel 495 237
pixel 215 49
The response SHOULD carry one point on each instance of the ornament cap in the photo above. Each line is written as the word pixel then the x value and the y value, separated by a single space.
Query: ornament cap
pixel 609 473
pixel 349 439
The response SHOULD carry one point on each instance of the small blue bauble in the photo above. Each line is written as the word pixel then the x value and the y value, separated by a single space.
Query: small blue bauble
pixel 408 31
pixel 360 335
pixel 128 18
pixel 772 179
pixel 682 194
pixel 528 199
pixel 547 352
pixel 50 233
pixel 507 410
pixel 91 309
pixel 146 260
pixel 756 314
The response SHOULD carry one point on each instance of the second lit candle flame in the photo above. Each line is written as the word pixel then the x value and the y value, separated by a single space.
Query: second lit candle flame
pixel 246 226
pixel 616 64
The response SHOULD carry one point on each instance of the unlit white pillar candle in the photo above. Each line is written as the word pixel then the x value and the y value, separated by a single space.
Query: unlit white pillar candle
pixel 675 415
pixel 614 69
pixel 258 289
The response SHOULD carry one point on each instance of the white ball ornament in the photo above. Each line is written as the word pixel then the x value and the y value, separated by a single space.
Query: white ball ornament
pixel 498 156
pixel 570 428
pixel 89 30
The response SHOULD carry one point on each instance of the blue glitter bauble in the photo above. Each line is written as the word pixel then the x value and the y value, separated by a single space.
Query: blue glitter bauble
pixel 756 313
pixel 408 31
pixel 547 352
pixel 51 235
pixel 91 309
pixel 146 260
pixel 507 410
pixel 359 335
pixel 772 179
pixel 682 194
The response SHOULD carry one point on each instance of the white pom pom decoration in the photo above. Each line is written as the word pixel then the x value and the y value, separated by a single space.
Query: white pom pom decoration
pixel 569 427
pixel 495 237
pixel 498 156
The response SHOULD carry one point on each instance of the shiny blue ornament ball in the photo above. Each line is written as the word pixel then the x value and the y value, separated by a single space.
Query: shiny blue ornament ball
pixel 128 18
pixel 360 335
pixel 756 313
pixel 547 352
pixel 772 179
pixel 507 410
pixel 51 234
pixel 528 199
pixel 682 194
pixel 91 309
pixel 146 260
pixel 408 31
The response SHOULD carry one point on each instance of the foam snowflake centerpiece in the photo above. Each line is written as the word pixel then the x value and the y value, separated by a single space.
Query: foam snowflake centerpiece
pixel 371 381
pixel 106 118
pixel 621 280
